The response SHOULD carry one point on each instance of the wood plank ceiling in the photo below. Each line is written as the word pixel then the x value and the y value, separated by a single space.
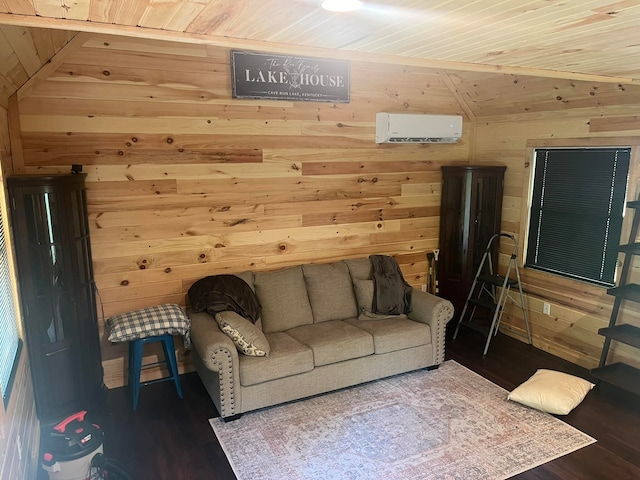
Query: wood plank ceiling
pixel 595 40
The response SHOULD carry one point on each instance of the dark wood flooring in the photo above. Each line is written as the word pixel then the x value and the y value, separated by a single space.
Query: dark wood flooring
pixel 169 438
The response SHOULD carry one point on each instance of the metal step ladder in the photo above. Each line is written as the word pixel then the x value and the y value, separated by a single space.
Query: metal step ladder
pixel 483 293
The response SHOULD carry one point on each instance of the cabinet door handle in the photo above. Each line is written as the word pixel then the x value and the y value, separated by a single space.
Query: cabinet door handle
pixel 55 352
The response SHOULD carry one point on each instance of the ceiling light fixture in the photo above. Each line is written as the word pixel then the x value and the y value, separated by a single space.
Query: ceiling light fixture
pixel 341 5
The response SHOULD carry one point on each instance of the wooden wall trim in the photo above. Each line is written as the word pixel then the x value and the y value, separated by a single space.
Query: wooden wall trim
pixel 524 204
pixel 52 65
pixel 227 42
pixel 5 143
pixel 15 135
pixel 456 93
pixel 633 192
pixel 467 110
pixel 584 142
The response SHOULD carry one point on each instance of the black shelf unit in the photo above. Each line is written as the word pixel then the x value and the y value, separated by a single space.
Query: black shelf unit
pixel 620 374
pixel 55 273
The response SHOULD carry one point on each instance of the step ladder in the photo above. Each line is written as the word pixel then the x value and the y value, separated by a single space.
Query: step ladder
pixel 483 293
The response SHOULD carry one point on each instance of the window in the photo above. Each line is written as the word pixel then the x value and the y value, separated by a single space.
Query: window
pixel 9 339
pixel 577 207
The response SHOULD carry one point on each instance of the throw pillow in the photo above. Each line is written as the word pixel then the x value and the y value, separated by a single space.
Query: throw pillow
pixel 248 338
pixel 553 392
pixel 149 322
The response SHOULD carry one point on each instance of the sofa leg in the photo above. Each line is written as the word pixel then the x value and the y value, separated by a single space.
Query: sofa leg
pixel 231 418
pixel 433 367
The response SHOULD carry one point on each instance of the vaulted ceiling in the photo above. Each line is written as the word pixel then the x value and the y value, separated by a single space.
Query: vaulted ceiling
pixel 589 40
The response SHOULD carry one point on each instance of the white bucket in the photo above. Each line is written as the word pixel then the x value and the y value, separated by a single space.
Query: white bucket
pixel 77 469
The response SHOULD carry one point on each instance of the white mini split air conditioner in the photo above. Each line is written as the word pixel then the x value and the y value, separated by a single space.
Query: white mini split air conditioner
pixel 415 128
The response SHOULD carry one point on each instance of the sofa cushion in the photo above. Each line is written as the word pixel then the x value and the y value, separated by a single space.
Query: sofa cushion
pixel 287 357
pixel 284 300
pixel 246 336
pixel 330 292
pixel 359 268
pixel 334 341
pixel 394 333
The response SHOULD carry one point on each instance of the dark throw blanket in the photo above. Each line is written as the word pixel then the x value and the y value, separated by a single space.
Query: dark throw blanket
pixel 391 293
pixel 220 293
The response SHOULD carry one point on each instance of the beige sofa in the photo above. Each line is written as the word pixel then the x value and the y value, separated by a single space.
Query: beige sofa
pixel 321 335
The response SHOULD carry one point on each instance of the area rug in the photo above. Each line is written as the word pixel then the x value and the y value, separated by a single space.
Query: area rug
pixel 448 424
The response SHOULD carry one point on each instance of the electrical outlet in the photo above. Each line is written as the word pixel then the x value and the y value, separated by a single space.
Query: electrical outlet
pixel 424 287
pixel 546 308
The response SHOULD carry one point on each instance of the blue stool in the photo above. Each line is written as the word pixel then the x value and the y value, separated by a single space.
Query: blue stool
pixel 136 366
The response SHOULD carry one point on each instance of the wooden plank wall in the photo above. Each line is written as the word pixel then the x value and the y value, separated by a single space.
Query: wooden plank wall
pixel 578 310
pixel 20 422
pixel 184 181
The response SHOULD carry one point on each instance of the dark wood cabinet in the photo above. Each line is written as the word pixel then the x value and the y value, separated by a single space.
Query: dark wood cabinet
pixel 55 273
pixel 470 215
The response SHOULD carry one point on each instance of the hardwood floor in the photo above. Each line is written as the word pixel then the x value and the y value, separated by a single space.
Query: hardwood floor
pixel 169 438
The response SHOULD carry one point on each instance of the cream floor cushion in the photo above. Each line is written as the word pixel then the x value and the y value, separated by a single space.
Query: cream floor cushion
pixel 553 392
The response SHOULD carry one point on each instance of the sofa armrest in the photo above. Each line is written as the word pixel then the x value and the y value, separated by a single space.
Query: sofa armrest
pixel 217 362
pixel 436 312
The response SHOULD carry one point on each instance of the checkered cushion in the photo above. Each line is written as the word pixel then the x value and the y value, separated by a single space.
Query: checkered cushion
pixel 149 322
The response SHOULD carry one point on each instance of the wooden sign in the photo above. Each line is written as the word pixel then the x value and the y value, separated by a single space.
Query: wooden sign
pixel 282 77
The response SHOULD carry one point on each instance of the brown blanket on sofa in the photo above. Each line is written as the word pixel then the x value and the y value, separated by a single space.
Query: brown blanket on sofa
pixel 391 293
pixel 219 293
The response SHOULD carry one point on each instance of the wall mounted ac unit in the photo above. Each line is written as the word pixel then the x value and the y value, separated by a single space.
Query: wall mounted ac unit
pixel 412 128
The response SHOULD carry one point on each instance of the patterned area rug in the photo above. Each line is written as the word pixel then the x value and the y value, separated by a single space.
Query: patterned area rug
pixel 448 424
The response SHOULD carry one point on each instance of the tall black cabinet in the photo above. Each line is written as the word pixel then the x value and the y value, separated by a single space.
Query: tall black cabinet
pixel 55 273
pixel 471 209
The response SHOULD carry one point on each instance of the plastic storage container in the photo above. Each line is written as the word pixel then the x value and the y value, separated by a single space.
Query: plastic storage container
pixel 69 448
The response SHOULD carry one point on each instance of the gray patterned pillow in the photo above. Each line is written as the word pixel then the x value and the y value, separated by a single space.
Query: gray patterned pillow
pixel 149 322
pixel 247 337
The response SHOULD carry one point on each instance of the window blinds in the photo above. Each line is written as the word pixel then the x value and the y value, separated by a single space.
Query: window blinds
pixel 576 212
pixel 9 340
